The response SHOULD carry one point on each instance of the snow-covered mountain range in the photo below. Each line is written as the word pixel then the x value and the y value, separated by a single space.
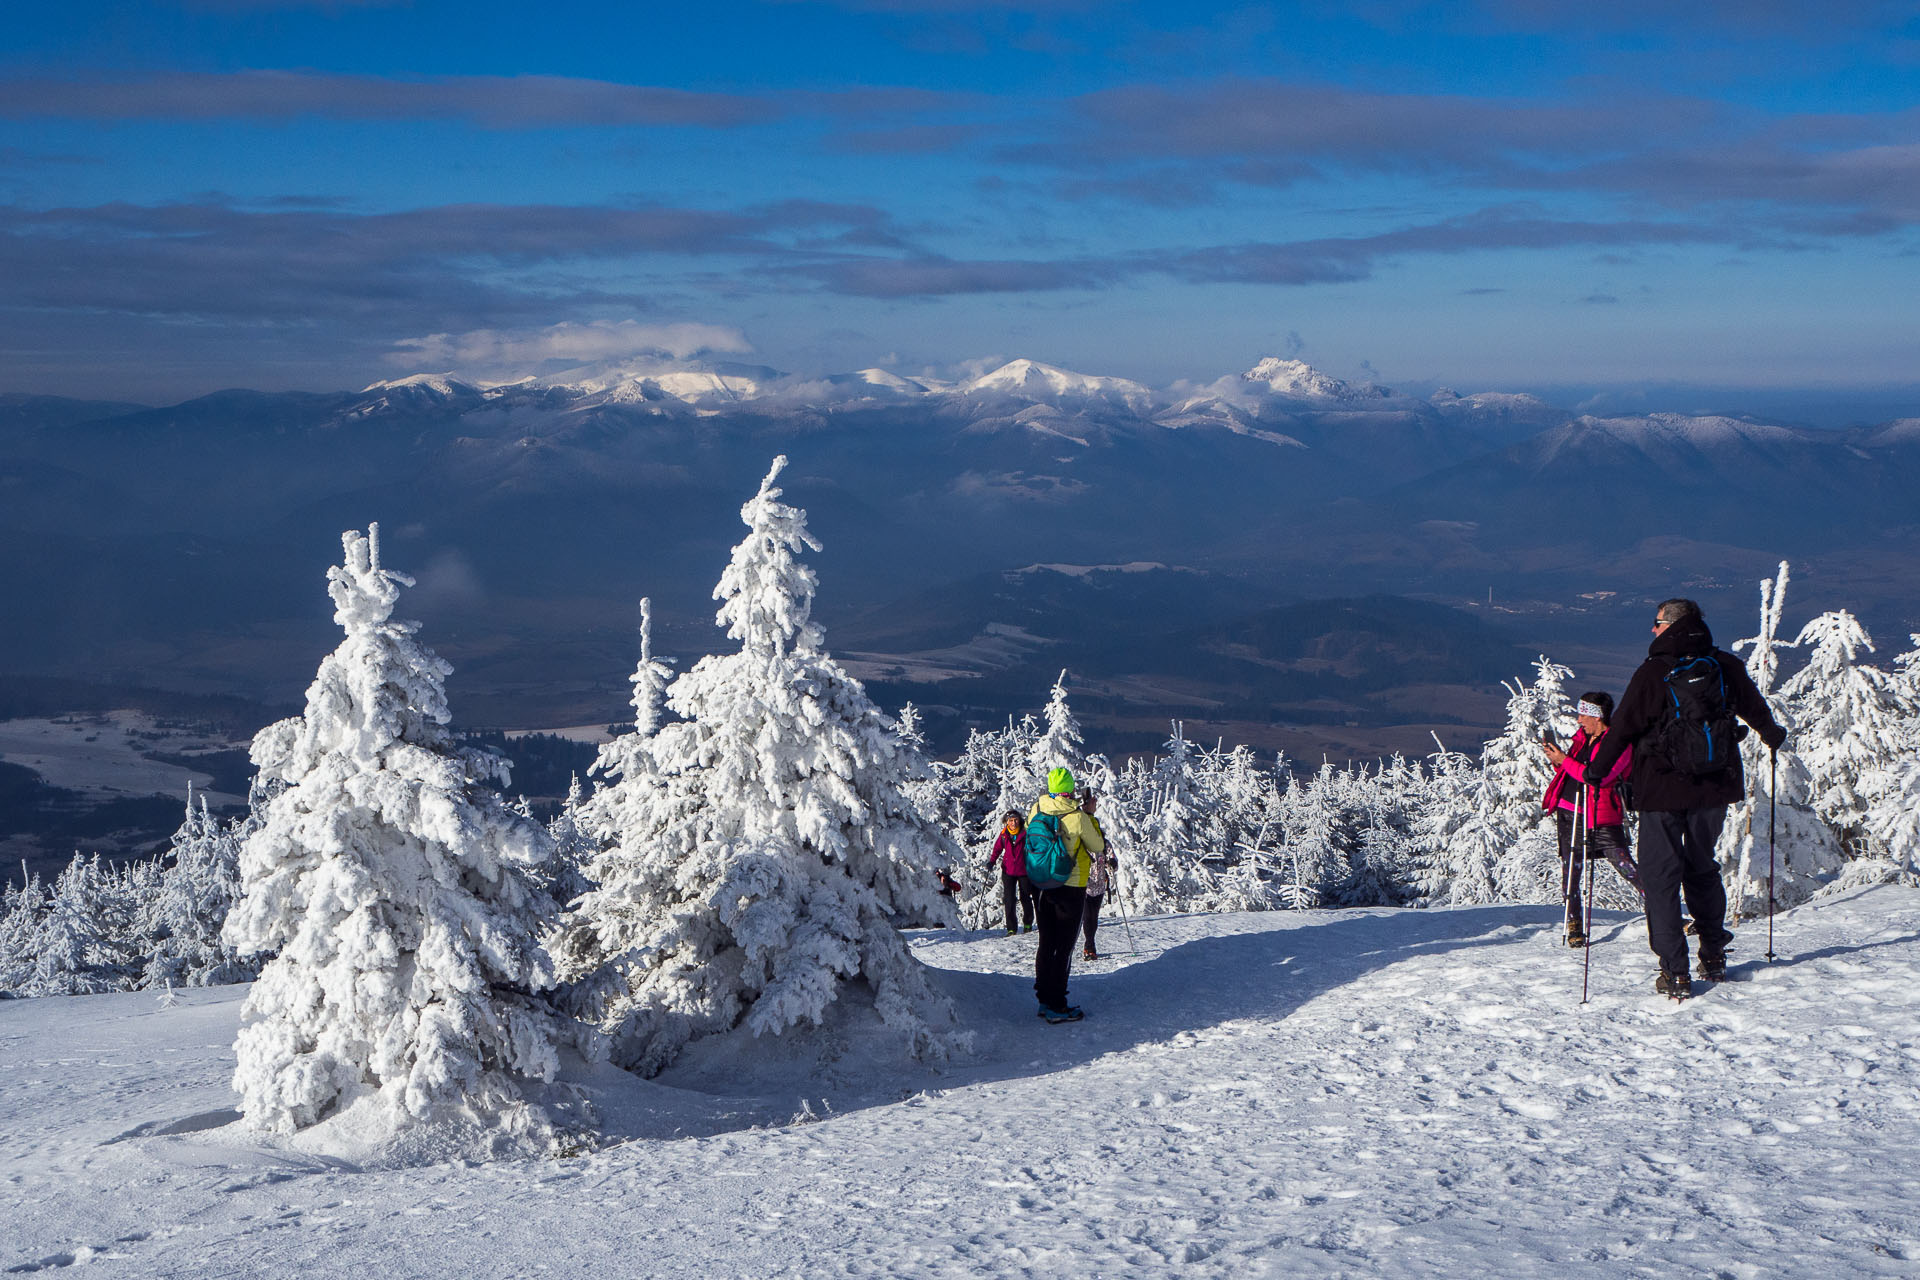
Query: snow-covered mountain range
pixel 536 502
pixel 719 387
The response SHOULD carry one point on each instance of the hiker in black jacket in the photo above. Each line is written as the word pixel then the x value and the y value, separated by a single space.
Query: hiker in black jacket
pixel 1682 809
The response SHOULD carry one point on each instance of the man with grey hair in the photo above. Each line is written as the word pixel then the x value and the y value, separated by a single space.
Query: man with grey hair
pixel 1678 716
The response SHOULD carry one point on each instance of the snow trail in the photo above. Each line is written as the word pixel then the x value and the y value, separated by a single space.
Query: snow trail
pixel 1377 1093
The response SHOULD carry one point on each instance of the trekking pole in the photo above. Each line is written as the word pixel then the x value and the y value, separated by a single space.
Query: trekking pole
pixel 1120 901
pixel 1586 865
pixel 1773 789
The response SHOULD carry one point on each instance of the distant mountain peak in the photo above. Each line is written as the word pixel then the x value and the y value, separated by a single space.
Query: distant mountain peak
pixel 444 384
pixel 1046 384
pixel 1298 378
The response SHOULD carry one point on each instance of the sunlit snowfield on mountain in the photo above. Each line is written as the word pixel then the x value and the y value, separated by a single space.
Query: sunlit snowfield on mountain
pixel 1305 1093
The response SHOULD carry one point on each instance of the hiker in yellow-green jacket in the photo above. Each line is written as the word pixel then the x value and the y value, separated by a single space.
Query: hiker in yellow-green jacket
pixel 1059 899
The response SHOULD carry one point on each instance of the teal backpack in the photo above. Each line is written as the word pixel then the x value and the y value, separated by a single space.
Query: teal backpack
pixel 1049 860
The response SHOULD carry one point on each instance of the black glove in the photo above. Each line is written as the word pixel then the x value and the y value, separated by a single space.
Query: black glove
pixel 1592 776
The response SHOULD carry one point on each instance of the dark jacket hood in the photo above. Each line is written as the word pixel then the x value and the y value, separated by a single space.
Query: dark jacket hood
pixel 1683 639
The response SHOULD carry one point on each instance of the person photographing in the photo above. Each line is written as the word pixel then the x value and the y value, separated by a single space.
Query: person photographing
pixel 1591 820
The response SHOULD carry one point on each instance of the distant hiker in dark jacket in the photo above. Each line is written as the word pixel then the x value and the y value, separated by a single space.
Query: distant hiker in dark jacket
pixel 1010 855
pixel 1590 819
pixel 1682 806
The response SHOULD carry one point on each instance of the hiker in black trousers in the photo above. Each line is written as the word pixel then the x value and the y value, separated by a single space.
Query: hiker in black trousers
pixel 1061 906
pixel 1682 807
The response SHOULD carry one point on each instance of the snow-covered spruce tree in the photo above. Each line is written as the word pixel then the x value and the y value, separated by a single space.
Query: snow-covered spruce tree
pixel 1804 852
pixel 1384 864
pixel 21 910
pixel 1059 743
pixel 574 849
pixel 1445 804
pixel 197 890
pixel 1513 768
pixel 766 851
pixel 395 885
pixel 1893 821
pixel 1319 844
pixel 85 941
pixel 591 978
pixel 1845 714
pixel 1477 843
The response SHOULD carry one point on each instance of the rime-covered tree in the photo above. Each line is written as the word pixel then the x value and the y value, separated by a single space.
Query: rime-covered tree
pixel 395 886
pixel 570 835
pixel 1319 848
pixel 1845 716
pixel 85 941
pixel 592 977
pixel 21 910
pixel 197 890
pixel 1774 834
pixel 766 851
pixel 1059 743
pixel 1893 817
pixel 1384 857
pixel 1445 804
pixel 1514 770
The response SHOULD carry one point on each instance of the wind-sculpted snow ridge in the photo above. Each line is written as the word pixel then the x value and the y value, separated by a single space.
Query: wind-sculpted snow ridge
pixel 1359 1093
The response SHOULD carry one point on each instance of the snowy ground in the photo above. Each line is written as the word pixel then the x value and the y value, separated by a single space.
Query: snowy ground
pixel 1299 1094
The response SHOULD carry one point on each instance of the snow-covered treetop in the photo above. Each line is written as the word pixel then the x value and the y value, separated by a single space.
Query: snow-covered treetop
pixel 649 678
pixel 1763 664
pixel 380 687
pixel 766 594
pixel 1837 637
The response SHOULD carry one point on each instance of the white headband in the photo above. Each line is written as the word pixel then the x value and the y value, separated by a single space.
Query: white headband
pixel 1592 709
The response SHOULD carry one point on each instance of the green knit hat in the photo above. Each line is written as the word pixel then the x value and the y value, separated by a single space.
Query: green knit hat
pixel 1060 782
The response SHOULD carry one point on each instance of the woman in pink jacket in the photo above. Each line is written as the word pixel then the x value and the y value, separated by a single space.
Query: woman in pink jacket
pixel 1599 813
pixel 1010 855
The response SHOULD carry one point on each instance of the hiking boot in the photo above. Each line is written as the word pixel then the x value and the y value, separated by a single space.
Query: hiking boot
pixel 1677 985
pixel 1070 1013
pixel 1089 954
pixel 1011 932
pixel 1029 929
pixel 1575 938
pixel 1713 967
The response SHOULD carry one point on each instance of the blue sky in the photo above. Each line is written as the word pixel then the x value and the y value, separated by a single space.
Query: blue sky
pixel 1521 193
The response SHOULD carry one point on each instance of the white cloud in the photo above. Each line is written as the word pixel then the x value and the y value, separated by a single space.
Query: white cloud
pixel 568 343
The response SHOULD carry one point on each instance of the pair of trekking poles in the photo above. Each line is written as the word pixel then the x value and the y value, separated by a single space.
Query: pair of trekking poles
pixel 1583 846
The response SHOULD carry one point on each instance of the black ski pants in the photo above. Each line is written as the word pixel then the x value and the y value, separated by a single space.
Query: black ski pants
pixel 1608 843
pixel 1014 888
pixel 1676 857
pixel 1059 913
pixel 1090 919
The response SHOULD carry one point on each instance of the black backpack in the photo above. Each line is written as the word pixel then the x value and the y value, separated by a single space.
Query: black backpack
pixel 1699 736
